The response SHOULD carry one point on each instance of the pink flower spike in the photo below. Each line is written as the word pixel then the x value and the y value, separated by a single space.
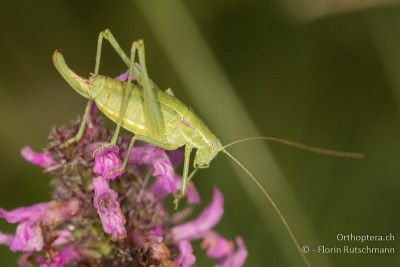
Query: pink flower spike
pixel 197 228
pixel 43 160
pixel 64 257
pixel 107 160
pixel 186 257
pixel 105 201
pixel 236 259
pixel 217 246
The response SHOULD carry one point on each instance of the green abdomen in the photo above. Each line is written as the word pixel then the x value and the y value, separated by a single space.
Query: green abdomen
pixel 182 126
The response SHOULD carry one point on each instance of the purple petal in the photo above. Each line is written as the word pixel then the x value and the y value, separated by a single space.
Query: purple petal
pixel 91 148
pixel 176 157
pixel 236 259
pixel 186 257
pixel 124 76
pixel 105 201
pixel 63 237
pixel 64 257
pixel 192 195
pixel 107 160
pixel 51 212
pixel 28 238
pixel 31 213
pixel 6 239
pixel 161 188
pixel 159 160
pixel 156 235
pixel 217 246
pixel 43 160
pixel 197 228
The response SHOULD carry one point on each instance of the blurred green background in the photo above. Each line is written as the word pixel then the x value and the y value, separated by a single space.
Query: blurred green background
pixel 324 73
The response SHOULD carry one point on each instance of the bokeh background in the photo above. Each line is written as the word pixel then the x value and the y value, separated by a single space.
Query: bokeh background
pixel 320 72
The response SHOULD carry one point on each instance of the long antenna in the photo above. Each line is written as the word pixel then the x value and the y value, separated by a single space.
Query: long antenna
pixel 317 150
pixel 280 215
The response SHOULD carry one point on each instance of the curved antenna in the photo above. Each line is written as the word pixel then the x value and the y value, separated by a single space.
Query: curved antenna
pixel 275 207
pixel 313 149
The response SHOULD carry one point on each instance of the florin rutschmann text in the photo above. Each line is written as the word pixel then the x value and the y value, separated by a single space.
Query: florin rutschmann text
pixel 354 250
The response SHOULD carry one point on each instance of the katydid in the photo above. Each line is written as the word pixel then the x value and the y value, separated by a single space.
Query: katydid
pixel 158 117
